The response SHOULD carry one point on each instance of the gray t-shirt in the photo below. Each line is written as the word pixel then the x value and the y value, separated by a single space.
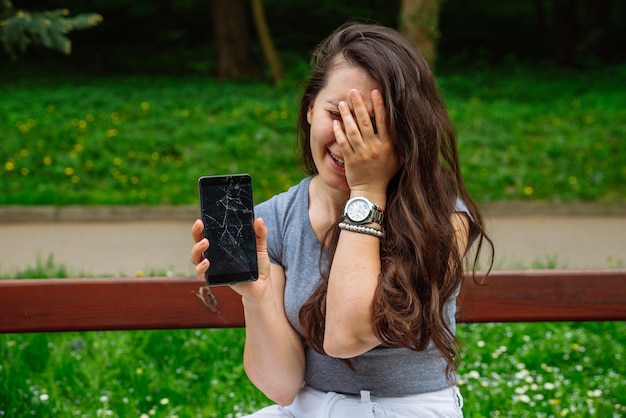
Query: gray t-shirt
pixel 293 245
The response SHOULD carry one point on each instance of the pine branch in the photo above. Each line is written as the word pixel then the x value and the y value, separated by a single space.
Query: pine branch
pixel 20 29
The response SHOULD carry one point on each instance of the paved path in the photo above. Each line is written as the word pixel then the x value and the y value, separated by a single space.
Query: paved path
pixel 96 242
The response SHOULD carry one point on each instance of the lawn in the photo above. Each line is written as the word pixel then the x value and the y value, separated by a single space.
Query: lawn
pixel 524 133
pixel 510 370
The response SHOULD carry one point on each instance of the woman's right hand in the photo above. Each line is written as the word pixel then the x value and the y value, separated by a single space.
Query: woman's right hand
pixel 197 251
pixel 249 290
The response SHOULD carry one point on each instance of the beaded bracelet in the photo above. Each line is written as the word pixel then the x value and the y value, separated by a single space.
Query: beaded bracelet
pixel 361 229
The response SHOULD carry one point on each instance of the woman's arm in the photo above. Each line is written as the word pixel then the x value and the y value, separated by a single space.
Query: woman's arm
pixel 273 352
pixel 353 281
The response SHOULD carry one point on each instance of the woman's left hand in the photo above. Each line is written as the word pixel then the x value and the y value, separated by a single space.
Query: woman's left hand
pixel 367 149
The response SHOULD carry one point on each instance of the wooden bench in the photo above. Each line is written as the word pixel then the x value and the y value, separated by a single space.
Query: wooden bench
pixel 47 305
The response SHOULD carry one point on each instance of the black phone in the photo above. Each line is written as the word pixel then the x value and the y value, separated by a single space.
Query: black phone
pixel 227 211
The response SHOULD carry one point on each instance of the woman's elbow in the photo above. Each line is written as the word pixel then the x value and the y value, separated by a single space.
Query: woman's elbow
pixel 342 347
pixel 283 398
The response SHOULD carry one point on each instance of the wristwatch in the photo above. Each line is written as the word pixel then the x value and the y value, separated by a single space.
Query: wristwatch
pixel 361 210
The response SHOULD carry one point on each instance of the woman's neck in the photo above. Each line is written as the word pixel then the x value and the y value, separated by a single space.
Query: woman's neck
pixel 325 206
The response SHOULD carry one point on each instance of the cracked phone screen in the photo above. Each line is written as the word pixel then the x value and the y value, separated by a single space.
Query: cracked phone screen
pixel 228 214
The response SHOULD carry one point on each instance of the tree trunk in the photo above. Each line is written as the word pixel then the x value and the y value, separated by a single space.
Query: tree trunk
pixel 267 44
pixel 596 26
pixel 567 32
pixel 542 25
pixel 419 22
pixel 232 38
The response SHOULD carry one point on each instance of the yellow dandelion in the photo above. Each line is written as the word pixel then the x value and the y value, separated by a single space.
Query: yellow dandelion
pixel 155 156
pixel 68 171
pixel 47 160
pixel 139 371
pixel 9 166
pixel 575 346
pixel 89 118
pixel 75 179
pixel 145 106
pixel 82 124
pixel 24 171
pixel 23 127
pixel 134 180
pixel 139 273
pixel 528 190
pixel 23 152
pixel 117 161
pixel 111 132
pixel 572 180
pixel 79 148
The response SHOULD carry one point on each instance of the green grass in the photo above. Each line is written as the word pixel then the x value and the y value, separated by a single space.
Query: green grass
pixel 525 133
pixel 551 369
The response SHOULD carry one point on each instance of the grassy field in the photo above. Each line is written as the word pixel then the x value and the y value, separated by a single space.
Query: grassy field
pixel 510 370
pixel 524 133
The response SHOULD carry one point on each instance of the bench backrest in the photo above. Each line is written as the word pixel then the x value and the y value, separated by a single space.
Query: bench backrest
pixel 43 305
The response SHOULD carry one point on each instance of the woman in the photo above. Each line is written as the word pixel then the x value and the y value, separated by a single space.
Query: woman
pixel 360 264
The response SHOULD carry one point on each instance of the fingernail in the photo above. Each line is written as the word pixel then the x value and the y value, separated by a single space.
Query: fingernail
pixel 354 93
pixel 342 105
pixel 375 93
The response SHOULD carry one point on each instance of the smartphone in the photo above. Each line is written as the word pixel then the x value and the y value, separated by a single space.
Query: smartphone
pixel 227 211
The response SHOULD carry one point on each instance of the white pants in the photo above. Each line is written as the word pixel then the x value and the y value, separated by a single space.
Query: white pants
pixel 311 403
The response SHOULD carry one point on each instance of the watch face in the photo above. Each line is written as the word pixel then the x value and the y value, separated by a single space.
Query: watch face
pixel 358 210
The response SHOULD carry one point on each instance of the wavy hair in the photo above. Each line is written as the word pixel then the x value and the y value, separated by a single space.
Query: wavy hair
pixel 421 265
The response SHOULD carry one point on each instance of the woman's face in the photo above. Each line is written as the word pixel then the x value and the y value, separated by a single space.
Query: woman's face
pixel 324 109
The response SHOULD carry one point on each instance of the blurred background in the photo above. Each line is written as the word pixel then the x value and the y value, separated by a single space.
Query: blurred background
pixel 180 37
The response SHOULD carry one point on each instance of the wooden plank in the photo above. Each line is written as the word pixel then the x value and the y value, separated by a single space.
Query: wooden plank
pixel 546 295
pixel 184 302
pixel 116 304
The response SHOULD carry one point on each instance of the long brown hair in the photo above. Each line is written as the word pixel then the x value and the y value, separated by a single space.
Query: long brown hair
pixel 421 265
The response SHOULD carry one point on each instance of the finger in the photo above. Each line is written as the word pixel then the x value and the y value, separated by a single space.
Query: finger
pixel 363 118
pixel 201 268
pixel 196 230
pixel 380 115
pixel 198 249
pixel 340 136
pixel 351 129
pixel 261 235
